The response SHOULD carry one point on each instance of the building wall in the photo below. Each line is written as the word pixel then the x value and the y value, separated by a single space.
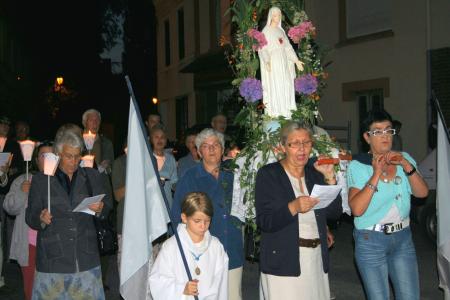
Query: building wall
pixel 439 20
pixel 401 58
pixel 199 16
pixel 171 83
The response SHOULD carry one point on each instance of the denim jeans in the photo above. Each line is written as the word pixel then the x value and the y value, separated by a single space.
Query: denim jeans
pixel 381 257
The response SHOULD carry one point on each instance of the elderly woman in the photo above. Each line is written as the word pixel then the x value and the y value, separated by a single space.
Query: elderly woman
pixel 190 159
pixel 294 253
pixel 23 243
pixel 380 186
pixel 67 258
pixel 167 165
pixel 209 178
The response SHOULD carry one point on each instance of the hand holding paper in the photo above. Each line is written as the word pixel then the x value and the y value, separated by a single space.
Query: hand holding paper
pixel 88 202
pixel 326 194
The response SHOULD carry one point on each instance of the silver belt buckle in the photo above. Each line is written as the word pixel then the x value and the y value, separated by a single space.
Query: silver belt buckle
pixel 389 228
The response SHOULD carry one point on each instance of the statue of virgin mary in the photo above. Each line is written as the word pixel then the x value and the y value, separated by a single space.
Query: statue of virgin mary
pixel 277 60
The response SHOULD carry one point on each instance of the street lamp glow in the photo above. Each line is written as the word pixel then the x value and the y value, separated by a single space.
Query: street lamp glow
pixel 155 100
pixel 59 80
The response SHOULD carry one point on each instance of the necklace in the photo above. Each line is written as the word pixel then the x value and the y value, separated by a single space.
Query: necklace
pixel 384 173
pixel 397 179
pixel 197 258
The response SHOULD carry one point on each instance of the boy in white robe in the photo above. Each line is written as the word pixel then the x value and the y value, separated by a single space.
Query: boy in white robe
pixel 206 258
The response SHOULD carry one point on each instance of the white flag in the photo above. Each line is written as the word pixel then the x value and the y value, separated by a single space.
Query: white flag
pixel 145 215
pixel 443 208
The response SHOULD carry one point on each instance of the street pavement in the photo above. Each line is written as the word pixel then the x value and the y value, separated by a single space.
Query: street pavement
pixel 344 279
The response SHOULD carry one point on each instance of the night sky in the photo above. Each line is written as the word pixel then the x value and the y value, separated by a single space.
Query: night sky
pixel 63 38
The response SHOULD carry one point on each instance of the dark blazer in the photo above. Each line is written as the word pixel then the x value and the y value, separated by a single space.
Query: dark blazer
pixel 279 253
pixel 69 243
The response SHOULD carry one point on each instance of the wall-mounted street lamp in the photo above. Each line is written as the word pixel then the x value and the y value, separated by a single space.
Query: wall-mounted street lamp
pixel 59 80
pixel 155 100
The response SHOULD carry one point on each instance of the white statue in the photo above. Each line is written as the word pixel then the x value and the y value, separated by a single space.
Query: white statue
pixel 277 60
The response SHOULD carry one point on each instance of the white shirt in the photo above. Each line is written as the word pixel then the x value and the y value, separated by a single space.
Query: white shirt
pixel 168 276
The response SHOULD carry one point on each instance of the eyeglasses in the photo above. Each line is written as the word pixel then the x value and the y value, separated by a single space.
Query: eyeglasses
pixel 70 156
pixel 379 132
pixel 214 146
pixel 298 144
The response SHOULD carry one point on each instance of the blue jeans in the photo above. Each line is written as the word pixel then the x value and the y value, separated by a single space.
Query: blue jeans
pixel 380 256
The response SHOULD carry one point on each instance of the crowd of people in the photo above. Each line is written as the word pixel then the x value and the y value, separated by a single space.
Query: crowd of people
pixel 58 251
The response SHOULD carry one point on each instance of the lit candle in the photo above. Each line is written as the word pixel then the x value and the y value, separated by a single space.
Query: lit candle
pixel 27 148
pixel 2 143
pixel 89 139
pixel 88 161
pixel 50 163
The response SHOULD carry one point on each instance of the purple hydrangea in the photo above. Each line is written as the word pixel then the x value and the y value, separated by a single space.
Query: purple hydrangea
pixel 251 89
pixel 306 84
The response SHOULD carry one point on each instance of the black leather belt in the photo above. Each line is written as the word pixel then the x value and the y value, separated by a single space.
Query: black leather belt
pixel 309 243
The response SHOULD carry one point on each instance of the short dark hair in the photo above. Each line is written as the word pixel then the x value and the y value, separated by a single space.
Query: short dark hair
pixel 40 145
pixel 375 116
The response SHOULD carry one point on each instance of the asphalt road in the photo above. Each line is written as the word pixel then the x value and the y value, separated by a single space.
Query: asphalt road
pixel 344 280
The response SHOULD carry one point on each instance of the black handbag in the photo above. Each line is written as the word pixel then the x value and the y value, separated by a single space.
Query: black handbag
pixel 106 233
pixel 106 236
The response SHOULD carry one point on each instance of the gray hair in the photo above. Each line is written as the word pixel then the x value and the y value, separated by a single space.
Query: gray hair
pixel 289 127
pixel 68 127
pixel 157 127
pixel 87 113
pixel 207 133
pixel 69 138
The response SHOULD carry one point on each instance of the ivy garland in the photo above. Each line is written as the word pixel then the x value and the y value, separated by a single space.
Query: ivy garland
pixel 261 143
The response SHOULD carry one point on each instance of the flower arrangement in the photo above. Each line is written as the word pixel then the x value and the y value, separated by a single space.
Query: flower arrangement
pixel 259 37
pixel 261 143
pixel 301 31
pixel 306 84
pixel 251 90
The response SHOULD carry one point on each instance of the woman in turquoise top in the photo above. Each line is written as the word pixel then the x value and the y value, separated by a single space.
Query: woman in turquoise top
pixel 380 186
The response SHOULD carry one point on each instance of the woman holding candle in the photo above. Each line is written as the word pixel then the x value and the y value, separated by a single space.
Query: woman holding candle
pixel 67 257
pixel 23 243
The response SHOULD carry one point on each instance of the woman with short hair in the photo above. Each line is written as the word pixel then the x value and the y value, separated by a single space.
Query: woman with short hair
pixel 67 257
pixel 23 241
pixel 294 258
pixel 208 177
pixel 380 186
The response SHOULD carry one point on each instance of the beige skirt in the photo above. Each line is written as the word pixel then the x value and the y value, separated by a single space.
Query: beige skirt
pixel 312 284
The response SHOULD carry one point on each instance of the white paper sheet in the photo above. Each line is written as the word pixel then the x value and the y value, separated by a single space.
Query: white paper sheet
pixel 4 158
pixel 325 193
pixel 83 206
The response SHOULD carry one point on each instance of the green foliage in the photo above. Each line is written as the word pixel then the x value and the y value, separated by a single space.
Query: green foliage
pixel 261 145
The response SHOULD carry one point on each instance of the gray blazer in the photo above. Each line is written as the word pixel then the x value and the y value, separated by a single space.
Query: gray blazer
pixel 15 204
pixel 69 243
